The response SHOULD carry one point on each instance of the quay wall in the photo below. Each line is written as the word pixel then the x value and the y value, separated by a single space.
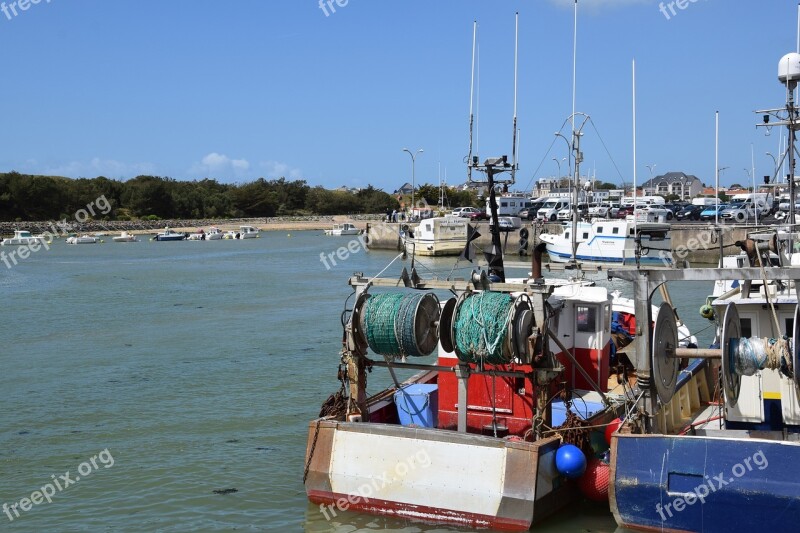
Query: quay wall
pixel 695 243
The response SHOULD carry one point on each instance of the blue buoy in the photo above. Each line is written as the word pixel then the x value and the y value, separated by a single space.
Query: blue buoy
pixel 570 461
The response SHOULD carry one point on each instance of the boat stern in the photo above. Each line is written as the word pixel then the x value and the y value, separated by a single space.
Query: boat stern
pixel 432 475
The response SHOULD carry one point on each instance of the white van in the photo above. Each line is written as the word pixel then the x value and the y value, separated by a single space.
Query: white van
pixel 646 200
pixel 510 205
pixel 549 211
pixel 705 201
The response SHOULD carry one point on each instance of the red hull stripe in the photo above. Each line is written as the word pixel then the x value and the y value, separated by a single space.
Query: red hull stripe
pixel 420 513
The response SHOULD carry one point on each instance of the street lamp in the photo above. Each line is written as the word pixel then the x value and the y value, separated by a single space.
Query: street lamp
pixel 716 197
pixel 775 167
pixel 413 176
pixel 559 167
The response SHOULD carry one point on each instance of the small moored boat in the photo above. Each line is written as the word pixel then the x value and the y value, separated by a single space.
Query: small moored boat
pixel 125 237
pixel 83 239
pixel 24 238
pixel 169 235
pixel 248 232
pixel 343 229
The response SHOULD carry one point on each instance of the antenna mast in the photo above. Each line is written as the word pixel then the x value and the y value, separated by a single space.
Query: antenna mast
pixel 472 100
pixel 515 164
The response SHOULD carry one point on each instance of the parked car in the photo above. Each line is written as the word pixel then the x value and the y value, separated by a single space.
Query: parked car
pixel 710 212
pixel 599 210
pixel 478 215
pixel 464 212
pixel 624 211
pixel 690 212
pixel 532 210
pixel 566 212
pixel 508 223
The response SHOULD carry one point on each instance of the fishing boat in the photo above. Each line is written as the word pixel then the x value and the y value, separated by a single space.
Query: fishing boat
pixel 343 229
pixel 480 424
pixel 24 238
pixel 439 236
pixel 125 237
pixel 613 241
pixel 248 232
pixel 169 235
pixel 82 239
pixel 689 458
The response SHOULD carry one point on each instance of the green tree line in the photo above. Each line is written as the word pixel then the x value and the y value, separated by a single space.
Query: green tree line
pixel 26 197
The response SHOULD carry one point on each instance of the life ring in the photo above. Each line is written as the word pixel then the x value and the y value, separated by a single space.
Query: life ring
pixel 740 216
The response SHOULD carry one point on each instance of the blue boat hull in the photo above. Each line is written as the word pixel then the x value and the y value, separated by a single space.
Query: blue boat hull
pixel 695 483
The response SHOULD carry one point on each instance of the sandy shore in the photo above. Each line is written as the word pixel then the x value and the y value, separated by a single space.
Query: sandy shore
pixel 286 224
pixel 294 225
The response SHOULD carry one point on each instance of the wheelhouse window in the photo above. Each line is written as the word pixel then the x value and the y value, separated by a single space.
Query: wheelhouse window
pixel 586 319
pixel 615 231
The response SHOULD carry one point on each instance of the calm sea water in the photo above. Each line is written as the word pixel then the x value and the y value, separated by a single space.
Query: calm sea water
pixel 183 369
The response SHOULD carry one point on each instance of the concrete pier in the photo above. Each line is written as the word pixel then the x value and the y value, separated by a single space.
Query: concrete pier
pixel 695 243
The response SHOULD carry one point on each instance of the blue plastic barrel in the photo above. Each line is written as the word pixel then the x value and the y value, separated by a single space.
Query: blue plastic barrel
pixel 418 404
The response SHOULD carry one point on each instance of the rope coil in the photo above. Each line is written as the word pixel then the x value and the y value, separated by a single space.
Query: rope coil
pixel 397 324
pixel 481 327
pixel 752 355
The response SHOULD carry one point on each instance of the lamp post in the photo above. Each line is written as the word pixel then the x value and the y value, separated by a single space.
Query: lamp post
pixel 413 176
pixel 775 167
pixel 683 188
pixel 720 170
pixel 559 167
pixel 569 151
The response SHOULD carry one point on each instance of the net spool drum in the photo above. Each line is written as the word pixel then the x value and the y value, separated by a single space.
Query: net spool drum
pixel 397 324
pixel 488 326
pixel 666 354
pixel 665 341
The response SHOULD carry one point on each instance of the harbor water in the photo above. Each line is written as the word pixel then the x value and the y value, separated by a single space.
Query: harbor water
pixel 169 386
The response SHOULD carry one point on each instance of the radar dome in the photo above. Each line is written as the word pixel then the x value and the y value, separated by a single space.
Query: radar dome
pixel 789 68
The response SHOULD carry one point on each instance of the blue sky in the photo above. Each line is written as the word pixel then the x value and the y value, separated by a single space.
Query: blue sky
pixel 244 89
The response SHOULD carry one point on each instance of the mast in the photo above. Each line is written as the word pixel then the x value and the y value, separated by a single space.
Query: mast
pixel 716 168
pixel 635 223
pixel 472 100
pixel 575 142
pixel 514 163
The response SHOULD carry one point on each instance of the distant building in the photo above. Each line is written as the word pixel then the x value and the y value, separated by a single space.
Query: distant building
pixel 345 188
pixel 405 189
pixel 679 184
pixel 544 186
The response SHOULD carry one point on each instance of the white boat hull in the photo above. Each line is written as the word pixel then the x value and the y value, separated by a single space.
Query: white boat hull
pixel 597 244
pixel 437 237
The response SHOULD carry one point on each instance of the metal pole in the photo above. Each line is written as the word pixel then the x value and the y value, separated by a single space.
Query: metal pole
pixel 413 175
pixel 716 170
